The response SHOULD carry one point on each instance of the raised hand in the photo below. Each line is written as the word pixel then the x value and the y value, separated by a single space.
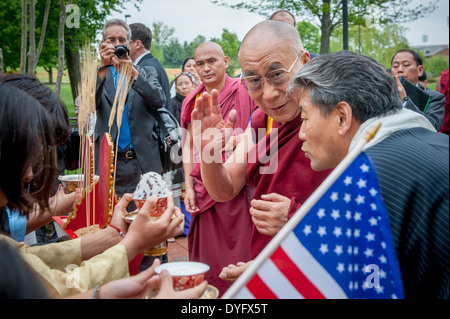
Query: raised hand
pixel 210 131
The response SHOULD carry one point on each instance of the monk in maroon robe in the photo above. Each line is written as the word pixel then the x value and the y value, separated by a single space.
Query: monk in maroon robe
pixel 292 179
pixel 273 161
pixel 219 232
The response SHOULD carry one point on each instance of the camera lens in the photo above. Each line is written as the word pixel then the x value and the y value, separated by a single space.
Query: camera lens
pixel 121 51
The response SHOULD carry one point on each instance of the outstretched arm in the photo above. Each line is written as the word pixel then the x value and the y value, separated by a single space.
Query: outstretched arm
pixel 211 133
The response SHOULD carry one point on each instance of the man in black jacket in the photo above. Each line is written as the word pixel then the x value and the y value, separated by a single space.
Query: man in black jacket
pixel 408 63
pixel 136 153
pixel 347 94
pixel 141 42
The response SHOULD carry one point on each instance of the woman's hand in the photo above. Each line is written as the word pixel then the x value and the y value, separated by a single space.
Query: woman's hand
pixel 167 291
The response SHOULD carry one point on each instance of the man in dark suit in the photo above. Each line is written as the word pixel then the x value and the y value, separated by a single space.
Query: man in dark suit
pixel 138 148
pixel 141 42
pixel 408 63
pixel 348 94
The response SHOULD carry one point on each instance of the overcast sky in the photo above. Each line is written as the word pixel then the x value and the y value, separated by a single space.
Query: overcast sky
pixel 200 17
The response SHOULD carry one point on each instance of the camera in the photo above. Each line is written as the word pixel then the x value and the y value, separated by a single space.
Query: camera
pixel 121 51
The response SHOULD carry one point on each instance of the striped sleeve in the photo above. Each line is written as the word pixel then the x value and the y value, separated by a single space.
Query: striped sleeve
pixel 413 170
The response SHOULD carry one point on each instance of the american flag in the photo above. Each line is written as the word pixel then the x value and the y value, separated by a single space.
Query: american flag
pixel 342 248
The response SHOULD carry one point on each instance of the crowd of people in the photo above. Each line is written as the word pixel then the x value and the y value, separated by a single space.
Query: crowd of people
pixel 254 148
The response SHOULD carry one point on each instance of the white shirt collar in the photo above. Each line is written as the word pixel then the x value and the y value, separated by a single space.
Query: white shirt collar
pixel 140 57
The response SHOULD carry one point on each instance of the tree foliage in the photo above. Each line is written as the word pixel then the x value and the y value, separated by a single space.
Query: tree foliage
pixel 230 45
pixel 327 14
pixel 379 43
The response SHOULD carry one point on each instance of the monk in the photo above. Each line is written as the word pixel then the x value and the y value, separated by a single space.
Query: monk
pixel 219 232
pixel 270 55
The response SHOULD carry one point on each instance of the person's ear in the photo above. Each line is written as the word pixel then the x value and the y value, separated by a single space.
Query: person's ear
pixel 421 70
pixel 305 57
pixel 345 116
pixel 227 62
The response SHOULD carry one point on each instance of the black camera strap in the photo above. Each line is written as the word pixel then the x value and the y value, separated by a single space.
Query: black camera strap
pixel 104 67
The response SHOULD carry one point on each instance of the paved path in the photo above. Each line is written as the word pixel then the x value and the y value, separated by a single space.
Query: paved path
pixel 178 251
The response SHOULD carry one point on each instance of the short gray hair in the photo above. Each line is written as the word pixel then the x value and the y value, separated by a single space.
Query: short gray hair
pixel 116 22
pixel 347 76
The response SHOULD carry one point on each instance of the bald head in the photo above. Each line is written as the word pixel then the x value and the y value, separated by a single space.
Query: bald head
pixel 273 50
pixel 211 65
pixel 284 15
pixel 273 31
pixel 209 47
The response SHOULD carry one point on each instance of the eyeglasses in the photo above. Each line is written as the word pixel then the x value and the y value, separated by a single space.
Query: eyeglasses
pixel 276 77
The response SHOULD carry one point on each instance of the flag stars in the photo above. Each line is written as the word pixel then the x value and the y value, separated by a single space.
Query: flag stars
pixel 347 198
pixel 364 168
pixel 348 215
pixel 340 268
pixel 368 252
pixel 383 259
pixel 338 250
pixel 373 206
pixel 323 248
pixel 321 213
pixel 360 199
pixel 348 180
pixel 337 231
pixel 335 214
pixel 357 216
pixel 373 221
pixel 373 192
pixel 349 232
pixel 307 230
pixel 322 231
pixel 370 237
pixel 334 196
pixel 362 183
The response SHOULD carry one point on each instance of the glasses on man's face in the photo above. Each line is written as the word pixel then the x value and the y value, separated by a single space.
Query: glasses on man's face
pixel 276 77
pixel 114 40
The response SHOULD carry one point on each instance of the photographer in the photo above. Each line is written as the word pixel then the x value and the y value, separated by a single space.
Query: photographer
pixel 136 153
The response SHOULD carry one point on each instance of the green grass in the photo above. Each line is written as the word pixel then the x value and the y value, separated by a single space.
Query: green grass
pixel 66 97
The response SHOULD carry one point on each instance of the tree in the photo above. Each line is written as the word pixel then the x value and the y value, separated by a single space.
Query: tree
pixel 162 35
pixel 380 43
pixel 230 45
pixel 310 36
pixel 10 34
pixel 62 23
pixel 173 54
pixel 189 49
pixel 327 14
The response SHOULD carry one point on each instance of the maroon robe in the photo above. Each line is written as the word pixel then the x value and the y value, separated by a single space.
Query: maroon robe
pixel 219 233
pixel 293 176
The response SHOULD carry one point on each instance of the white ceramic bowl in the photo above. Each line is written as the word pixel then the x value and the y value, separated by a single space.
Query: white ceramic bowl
pixel 185 274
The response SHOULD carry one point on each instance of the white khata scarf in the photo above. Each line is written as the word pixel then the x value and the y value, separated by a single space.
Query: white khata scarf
pixel 391 123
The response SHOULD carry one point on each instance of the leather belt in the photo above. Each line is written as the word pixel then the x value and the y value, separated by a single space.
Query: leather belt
pixel 126 155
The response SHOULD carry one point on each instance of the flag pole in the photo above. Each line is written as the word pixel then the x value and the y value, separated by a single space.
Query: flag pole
pixel 245 277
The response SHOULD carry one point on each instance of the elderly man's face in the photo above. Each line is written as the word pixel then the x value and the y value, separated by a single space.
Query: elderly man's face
pixel 116 35
pixel 321 142
pixel 260 56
